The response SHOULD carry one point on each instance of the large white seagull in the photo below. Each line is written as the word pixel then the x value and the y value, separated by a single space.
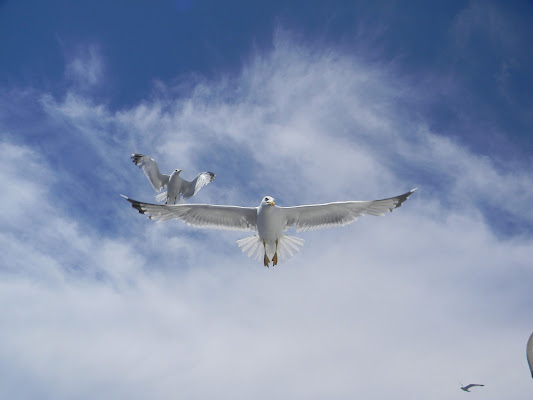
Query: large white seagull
pixel 270 221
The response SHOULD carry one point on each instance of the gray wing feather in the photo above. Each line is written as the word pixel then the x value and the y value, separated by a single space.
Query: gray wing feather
pixel 158 180
pixel 319 216
pixel 200 181
pixel 472 385
pixel 201 215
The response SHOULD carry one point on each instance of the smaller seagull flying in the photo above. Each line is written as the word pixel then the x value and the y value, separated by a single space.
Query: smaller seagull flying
pixel 529 353
pixel 177 187
pixel 465 388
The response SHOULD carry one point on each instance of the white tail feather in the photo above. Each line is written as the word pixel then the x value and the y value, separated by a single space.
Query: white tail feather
pixel 253 246
pixel 161 197
pixel 286 249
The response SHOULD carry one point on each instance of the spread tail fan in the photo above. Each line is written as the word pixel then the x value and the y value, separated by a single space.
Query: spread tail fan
pixel 253 247
pixel 161 197
pixel 288 246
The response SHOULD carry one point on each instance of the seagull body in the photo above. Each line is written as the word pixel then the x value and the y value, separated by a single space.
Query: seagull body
pixel 465 388
pixel 177 187
pixel 270 221
pixel 529 353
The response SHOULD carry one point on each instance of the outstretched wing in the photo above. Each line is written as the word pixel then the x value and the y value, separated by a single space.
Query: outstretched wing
pixel 158 180
pixel 471 385
pixel 529 353
pixel 201 215
pixel 201 180
pixel 318 216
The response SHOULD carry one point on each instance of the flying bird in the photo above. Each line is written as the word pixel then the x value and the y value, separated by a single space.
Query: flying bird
pixel 270 243
pixel 465 388
pixel 529 353
pixel 177 187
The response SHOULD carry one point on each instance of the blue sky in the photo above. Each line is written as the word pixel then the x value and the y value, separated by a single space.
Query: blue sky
pixel 309 102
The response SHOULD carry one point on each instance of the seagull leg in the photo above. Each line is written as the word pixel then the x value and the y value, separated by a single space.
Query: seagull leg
pixel 275 258
pixel 266 260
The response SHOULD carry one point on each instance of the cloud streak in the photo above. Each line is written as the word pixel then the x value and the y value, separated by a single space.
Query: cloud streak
pixel 140 309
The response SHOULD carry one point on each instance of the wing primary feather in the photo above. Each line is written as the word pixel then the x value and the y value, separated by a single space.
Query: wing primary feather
pixel 201 215
pixel 318 216
pixel 150 168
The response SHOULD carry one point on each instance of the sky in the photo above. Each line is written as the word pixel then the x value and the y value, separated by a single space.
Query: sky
pixel 309 102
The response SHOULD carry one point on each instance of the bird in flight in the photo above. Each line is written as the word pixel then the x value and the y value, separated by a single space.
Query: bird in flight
pixel 465 388
pixel 177 187
pixel 269 221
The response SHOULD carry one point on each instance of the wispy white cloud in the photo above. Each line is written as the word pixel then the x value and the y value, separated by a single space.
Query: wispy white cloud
pixel 86 68
pixel 332 119
pixel 407 304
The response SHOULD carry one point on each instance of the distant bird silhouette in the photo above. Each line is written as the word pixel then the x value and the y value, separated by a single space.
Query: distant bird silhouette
pixel 529 353
pixel 465 388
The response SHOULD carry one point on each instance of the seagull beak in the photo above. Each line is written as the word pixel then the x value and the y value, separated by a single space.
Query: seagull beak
pixel 272 203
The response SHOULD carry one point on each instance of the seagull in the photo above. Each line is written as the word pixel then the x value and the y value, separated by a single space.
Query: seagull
pixel 269 221
pixel 529 353
pixel 465 388
pixel 177 187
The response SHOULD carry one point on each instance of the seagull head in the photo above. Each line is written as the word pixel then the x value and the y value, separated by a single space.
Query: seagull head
pixel 268 200
pixel 177 171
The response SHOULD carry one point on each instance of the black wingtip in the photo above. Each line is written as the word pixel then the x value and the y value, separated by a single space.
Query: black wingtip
pixel 401 198
pixel 136 158
pixel 135 204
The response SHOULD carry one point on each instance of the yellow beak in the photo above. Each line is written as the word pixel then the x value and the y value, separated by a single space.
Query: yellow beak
pixel 272 203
